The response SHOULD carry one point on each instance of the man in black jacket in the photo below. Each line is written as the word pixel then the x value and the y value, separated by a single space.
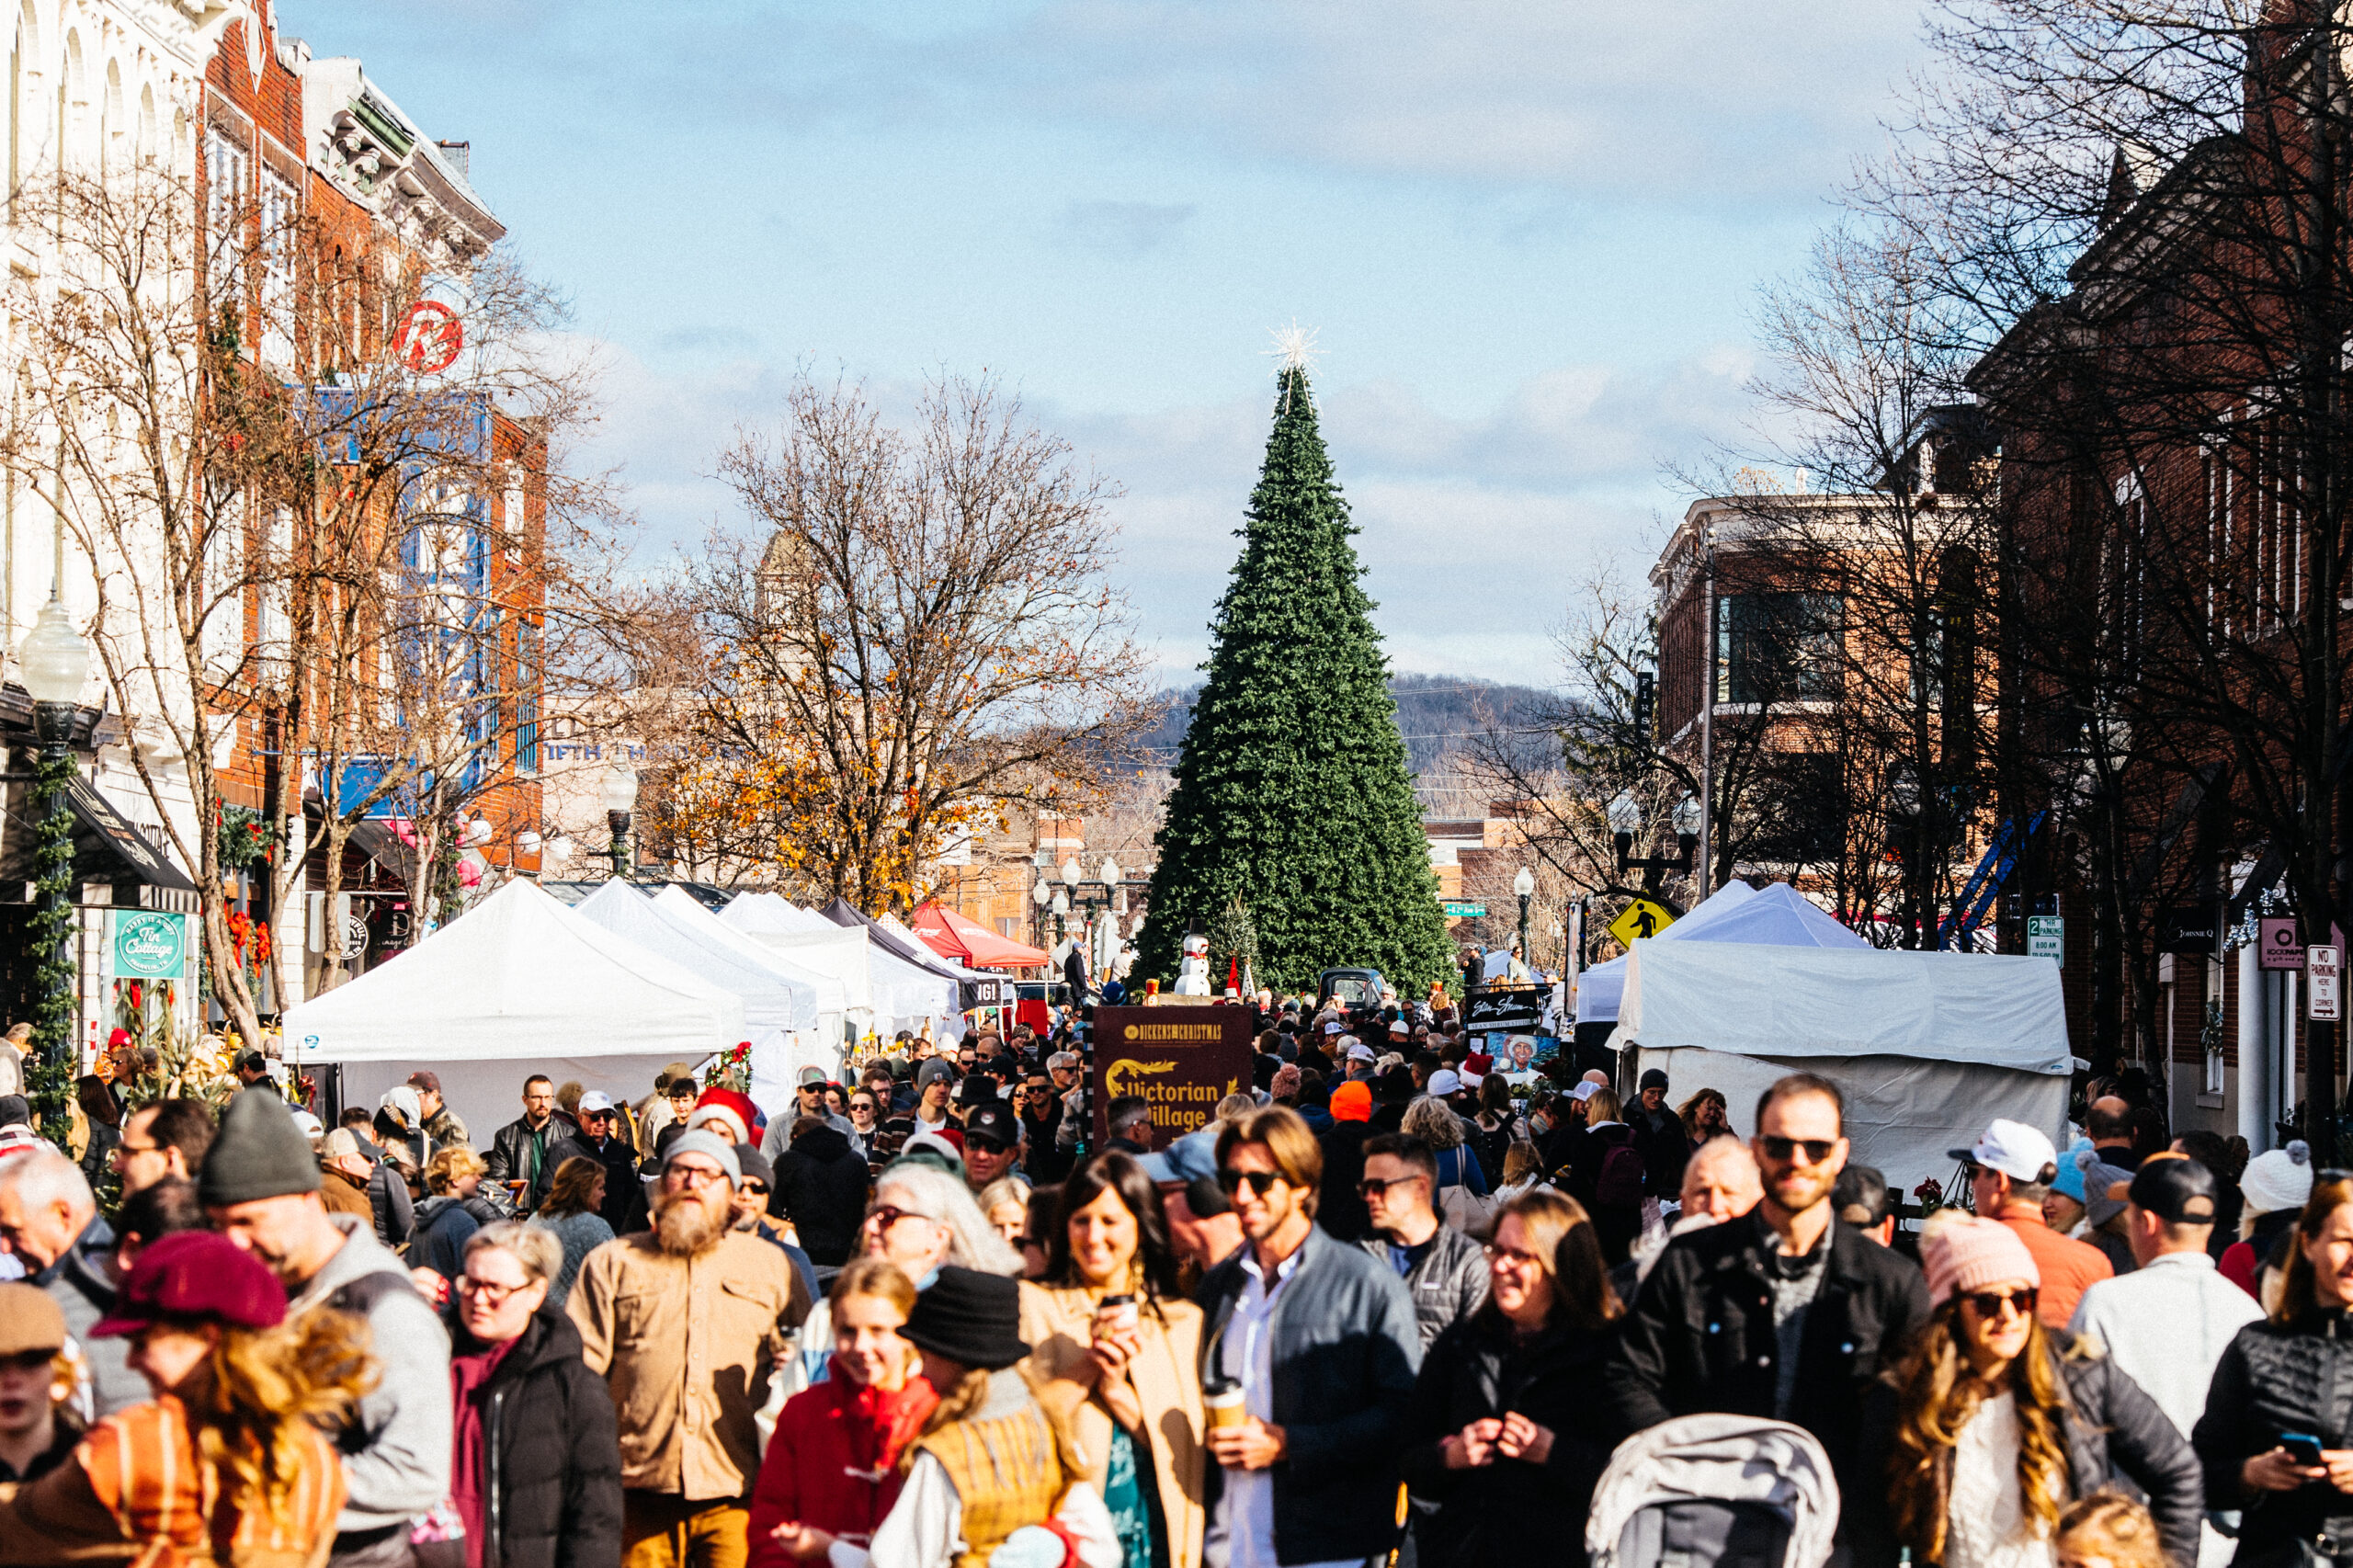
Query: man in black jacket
pixel 820 1187
pixel 625 1208
pixel 1783 1312
pixel 1659 1137
pixel 530 1149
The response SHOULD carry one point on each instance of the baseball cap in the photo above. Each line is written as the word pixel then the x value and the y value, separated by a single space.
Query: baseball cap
pixel 1860 1196
pixel 809 1075
pixel 340 1144
pixel 1397 1027
pixel 1360 1051
pixel 195 1274
pixel 1335 1027
pixel 309 1126
pixel 1445 1082
pixel 1188 1159
pixel 977 1089
pixel 594 1100
pixel 1585 1090
pixel 425 1081
pixel 2179 1191
pixel 30 1322
pixel 2014 1149
pixel 992 1124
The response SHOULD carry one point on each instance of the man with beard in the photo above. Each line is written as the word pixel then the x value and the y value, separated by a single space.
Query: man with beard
pixel 688 1322
pixel 1784 1312
pixel 260 1187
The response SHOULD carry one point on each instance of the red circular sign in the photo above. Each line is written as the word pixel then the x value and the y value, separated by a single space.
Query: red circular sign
pixel 428 337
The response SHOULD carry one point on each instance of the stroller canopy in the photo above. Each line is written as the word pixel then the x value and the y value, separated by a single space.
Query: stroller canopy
pixel 1692 1491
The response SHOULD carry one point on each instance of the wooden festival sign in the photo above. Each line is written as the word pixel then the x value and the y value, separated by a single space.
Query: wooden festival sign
pixel 1181 1060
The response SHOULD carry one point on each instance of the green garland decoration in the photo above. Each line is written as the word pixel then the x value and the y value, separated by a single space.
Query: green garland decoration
pixel 49 1071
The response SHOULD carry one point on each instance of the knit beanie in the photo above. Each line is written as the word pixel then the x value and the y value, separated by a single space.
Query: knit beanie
pixel 1961 1252
pixel 1352 1102
pixel 2280 1179
pixel 2099 1182
pixel 2069 1182
pixel 258 1153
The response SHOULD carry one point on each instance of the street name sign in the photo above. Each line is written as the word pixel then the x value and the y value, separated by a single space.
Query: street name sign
pixel 1640 917
pixel 1464 909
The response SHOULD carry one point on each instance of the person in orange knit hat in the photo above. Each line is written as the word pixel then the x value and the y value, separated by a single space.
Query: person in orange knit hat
pixel 1340 1205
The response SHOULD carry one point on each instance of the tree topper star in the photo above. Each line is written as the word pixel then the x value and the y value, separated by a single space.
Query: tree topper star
pixel 1295 345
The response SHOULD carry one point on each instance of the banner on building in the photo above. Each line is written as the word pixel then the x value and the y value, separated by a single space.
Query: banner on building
pixel 1182 1061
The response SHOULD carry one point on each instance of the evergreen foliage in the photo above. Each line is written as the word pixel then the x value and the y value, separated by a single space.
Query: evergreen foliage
pixel 1293 793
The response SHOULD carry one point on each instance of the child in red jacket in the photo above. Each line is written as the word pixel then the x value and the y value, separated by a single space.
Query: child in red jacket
pixel 832 1469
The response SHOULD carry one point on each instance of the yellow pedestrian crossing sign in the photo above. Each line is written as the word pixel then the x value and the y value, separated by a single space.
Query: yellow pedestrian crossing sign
pixel 1640 917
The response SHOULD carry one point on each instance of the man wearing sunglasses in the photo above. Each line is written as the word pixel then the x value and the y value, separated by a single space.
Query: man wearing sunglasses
pixel 1782 1312
pixel 1309 1476
pixel 1444 1270
pixel 2011 1169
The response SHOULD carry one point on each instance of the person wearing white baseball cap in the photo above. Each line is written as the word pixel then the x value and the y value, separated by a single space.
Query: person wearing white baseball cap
pixel 2011 1167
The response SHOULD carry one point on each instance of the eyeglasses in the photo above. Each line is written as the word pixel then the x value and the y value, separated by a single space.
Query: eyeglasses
pixel 1373 1186
pixel 1990 1303
pixel 1816 1149
pixel 1513 1256
pixel 754 1189
pixel 493 1293
pixel 692 1176
pixel 882 1216
pixel 1261 1182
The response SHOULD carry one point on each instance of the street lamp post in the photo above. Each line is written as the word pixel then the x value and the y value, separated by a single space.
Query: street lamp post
pixel 55 661
pixel 1625 814
pixel 620 800
pixel 1062 914
pixel 1524 885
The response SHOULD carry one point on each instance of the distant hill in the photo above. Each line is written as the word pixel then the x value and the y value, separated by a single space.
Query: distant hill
pixel 1434 712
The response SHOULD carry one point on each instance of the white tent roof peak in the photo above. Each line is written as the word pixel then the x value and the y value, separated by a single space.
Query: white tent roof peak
pixel 771 999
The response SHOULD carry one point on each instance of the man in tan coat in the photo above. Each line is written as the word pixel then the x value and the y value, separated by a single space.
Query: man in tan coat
pixel 686 1322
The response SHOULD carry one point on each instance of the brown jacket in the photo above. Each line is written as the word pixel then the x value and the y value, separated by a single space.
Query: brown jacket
pixel 688 1344
pixel 342 1195
pixel 1057 1324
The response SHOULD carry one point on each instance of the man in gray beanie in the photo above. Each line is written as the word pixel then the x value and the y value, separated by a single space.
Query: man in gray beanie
pixel 260 1187
pixel 688 1322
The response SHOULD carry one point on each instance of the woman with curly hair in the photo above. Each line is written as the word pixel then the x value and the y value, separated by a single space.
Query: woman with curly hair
pixel 228 1464
pixel 1991 1432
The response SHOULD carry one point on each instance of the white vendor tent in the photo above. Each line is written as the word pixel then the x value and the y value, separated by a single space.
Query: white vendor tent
pixel 1926 1047
pixel 518 985
pixel 819 1047
pixel 894 992
pixel 770 1000
pixel 1778 916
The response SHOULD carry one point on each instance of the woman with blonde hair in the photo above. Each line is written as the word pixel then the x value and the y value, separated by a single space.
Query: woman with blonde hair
pixel 1433 1121
pixel 1990 1433
pixel 453 1210
pixel 230 1463
pixel 832 1469
pixel 1500 1434
pixel 1114 1357
pixel 2279 1376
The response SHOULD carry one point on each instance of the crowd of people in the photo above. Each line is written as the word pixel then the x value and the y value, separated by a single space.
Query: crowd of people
pixel 1402 1299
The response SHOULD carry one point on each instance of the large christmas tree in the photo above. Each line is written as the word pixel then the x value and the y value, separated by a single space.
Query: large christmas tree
pixel 1293 793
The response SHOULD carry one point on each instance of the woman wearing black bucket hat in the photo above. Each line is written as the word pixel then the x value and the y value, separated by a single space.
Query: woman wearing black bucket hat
pixel 989 1467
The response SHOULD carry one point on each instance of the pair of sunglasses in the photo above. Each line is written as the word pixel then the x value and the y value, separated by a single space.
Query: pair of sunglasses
pixel 1261 1182
pixel 1373 1186
pixel 1989 1303
pixel 1816 1149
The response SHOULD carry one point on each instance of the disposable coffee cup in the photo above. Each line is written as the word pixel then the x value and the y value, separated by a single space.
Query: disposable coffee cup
pixel 1116 1315
pixel 1223 1403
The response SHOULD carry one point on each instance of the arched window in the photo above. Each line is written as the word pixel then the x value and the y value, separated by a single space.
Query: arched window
pixel 72 104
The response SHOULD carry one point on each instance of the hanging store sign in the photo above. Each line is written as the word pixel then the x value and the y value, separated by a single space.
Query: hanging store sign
pixel 149 946
pixel 2279 943
pixel 2191 928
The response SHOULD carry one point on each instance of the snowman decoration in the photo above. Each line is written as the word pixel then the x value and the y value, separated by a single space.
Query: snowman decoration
pixel 1193 973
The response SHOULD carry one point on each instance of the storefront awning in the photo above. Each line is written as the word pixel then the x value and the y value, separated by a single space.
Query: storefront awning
pixel 108 850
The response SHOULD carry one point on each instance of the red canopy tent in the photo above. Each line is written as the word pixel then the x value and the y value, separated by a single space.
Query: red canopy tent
pixel 967 941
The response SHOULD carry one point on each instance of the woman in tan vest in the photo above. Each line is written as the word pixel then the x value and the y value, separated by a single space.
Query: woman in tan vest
pixel 1115 1353
pixel 990 1468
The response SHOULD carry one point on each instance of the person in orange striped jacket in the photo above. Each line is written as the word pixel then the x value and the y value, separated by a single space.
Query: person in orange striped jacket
pixel 227 1465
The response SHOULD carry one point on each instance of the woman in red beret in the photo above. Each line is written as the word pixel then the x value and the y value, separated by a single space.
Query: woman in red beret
pixel 228 1465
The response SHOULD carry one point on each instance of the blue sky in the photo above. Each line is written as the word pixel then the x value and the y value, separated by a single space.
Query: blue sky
pixel 1529 234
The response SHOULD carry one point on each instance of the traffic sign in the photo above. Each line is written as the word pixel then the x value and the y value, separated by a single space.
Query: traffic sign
pixel 2323 980
pixel 428 339
pixel 2046 938
pixel 1640 917
pixel 1464 909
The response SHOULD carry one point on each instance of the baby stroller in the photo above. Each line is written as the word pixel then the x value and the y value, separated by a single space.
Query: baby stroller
pixel 1714 1491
